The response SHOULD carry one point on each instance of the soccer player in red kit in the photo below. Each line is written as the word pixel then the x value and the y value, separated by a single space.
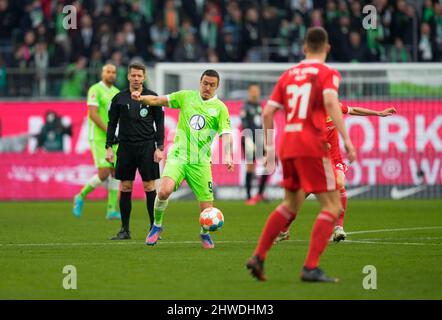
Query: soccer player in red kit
pixel 308 92
pixel 340 166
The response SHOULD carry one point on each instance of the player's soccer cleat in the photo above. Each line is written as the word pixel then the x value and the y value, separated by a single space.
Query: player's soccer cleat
pixel 339 234
pixel 78 206
pixel 282 236
pixel 253 201
pixel 154 235
pixel 122 235
pixel 206 241
pixel 256 268
pixel 113 215
pixel 316 275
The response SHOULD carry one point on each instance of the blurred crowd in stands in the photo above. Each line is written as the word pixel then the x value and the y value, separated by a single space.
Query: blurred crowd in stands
pixel 32 35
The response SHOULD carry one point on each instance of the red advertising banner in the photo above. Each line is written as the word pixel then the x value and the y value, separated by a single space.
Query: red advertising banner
pixel 404 149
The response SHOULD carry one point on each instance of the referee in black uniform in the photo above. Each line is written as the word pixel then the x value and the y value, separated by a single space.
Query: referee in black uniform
pixel 141 144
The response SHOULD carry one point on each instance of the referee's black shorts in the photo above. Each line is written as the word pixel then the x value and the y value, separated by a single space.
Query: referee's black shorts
pixel 131 157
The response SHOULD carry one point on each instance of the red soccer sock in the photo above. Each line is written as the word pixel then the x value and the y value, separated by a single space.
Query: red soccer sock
pixel 278 220
pixel 322 230
pixel 340 222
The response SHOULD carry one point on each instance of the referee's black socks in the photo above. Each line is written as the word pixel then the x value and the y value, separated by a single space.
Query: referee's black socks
pixel 150 202
pixel 125 208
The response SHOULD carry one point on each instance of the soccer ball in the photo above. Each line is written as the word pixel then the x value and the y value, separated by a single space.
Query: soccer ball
pixel 211 219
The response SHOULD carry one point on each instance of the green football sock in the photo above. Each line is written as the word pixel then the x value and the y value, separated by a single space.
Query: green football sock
pixel 204 231
pixel 93 183
pixel 159 208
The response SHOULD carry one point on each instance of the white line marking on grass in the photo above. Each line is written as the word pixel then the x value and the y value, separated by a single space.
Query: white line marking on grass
pixel 407 239
pixel 394 243
pixel 393 230
pixel 367 241
pixel 61 244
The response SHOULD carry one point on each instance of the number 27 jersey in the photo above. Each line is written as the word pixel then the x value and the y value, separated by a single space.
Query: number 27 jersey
pixel 299 92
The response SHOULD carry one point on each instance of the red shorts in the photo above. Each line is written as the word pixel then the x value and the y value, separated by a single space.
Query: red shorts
pixel 312 174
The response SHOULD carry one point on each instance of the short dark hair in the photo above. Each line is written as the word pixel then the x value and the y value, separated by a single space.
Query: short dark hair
pixel 253 84
pixel 210 73
pixel 137 66
pixel 316 38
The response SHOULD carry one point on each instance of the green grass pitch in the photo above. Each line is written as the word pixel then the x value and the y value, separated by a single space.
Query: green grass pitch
pixel 402 239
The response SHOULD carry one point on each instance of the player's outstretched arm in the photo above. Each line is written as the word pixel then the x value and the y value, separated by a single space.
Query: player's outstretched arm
pixel 332 107
pixel 359 111
pixel 158 101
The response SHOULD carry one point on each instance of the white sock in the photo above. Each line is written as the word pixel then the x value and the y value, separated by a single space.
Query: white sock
pixel 95 181
pixel 113 184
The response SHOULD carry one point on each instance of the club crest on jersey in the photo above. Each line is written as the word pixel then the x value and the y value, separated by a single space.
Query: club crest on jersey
pixel 213 112
pixel 143 113
pixel 197 122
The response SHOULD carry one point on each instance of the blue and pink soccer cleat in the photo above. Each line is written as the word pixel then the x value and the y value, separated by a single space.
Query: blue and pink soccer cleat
pixel 78 206
pixel 207 241
pixel 113 215
pixel 153 235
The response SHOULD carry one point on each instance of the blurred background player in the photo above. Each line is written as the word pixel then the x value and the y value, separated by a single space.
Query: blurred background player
pixel 202 116
pixel 99 98
pixel 253 140
pixel 307 93
pixel 51 135
pixel 141 144
pixel 341 167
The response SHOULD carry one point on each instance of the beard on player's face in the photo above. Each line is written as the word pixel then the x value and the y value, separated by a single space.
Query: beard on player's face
pixel 110 80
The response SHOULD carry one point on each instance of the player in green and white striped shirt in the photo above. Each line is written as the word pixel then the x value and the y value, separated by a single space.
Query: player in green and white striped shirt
pixel 98 101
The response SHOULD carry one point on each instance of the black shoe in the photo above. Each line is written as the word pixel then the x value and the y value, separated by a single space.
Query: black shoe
pixel 256 267
pixel 122 235
pixel 315 275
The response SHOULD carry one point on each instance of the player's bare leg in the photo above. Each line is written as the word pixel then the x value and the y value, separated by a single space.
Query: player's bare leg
pixel 167 186
pixel 278 220
pixel 339 233
pixel 206 240
pixel 285 233
pixel 322 230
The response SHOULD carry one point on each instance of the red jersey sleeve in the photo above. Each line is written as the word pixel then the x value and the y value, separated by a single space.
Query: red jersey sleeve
pixel 331 82
pixel 277 97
